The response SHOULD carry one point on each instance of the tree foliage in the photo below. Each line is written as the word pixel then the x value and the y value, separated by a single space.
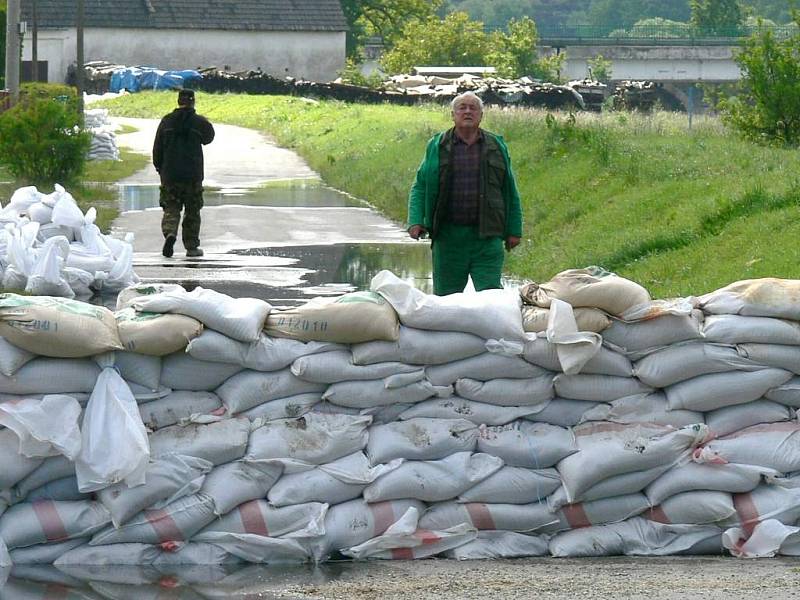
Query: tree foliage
pixel 716 16
pixel 384 18
pixel 769 107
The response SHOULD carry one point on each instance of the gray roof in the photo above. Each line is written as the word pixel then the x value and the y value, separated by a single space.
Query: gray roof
pixel 252 15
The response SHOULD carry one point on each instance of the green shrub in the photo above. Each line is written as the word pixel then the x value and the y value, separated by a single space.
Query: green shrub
pixel 41 142
pixel 50 91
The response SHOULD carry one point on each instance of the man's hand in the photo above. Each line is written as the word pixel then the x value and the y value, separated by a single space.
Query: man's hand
pixel 512 241
pixel 417 231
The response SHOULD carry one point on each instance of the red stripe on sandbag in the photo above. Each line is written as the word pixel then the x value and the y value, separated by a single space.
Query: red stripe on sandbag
pixel 480 515
pixel 252 518
pixel 383 516
pixel 52 525
pixel 576 516
pixel 658 515
pixel 164 525
pixel 56 591
pixel 747 511
pixel 402 554
pixel 427 537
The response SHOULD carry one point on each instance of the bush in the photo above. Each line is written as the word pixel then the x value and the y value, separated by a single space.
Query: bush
pixel 50 91
pixel 41 142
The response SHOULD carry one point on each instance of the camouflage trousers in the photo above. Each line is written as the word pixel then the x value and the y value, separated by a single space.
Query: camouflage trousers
pixel 189 197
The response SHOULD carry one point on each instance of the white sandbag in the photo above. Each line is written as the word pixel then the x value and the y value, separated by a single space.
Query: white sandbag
pixel 405 541
pixel 265 354
pixel 767 297
pixel 505 517
pixel 487 314
pixel 735 329
pixel 772 355
pixel 709 392
pixel 52 376
pixel 178 521
pixel 765 540
pixel 534 319
pixel 334 482
pixel 459 408
pixel 155 334
pixel 126 297
pixel 491 544
pixel 642 408
pixel 349 319
pixel 143 394
pixel 508 392
pixel 420 347
pixel 5 561
pixel 526 444
pixel 24 197
pixel 45 427
pixel 234 483
pixel 732 478
pixel 312 439
pixel 724 421
pixel 140 369
pixel 46 277
pixel 514 485
pixel 166 477
pixel 51 469
pixel 771 445
pixel 80 281
pixel 597 388
pixel 653 333
pixel 780 502
pixel 634 537
pixel 179 371
pixel 483 367
pixel 15 466
pixel 672 364
pixel 178 406
pixel 193 554
pixel 351 523
pixel 44 554
pixel 57 327
pixel 612 487
pixel 27 524
pixel 218 443
pixel 114 444
pixel 284 408
pixel 12 358
pixel 332 367
pixel 787 393
pixel 373 393
pixel 40 212
pixel 381 415
pixel 433 480
pixel 697 507
pixel 591 287
pixel 562 412
pixel 248 389
pixel 573 347
pixel 257 517
pixel 259 549
pixel 608 449
pixel 420 439
pixel 65 489
pixel 600 512
pixel 239 318
pixel 540 352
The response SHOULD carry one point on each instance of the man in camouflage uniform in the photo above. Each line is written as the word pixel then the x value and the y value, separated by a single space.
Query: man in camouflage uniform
pixel 178 158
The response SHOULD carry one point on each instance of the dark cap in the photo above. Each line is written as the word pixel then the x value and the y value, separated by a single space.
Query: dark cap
pixel 185 96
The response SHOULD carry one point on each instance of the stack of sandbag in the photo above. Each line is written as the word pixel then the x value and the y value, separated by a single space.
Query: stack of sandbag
pixel 189 427
pixel 104 139
pixel 49 247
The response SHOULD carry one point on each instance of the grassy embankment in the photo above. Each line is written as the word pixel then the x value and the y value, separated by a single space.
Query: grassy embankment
pixel 681 212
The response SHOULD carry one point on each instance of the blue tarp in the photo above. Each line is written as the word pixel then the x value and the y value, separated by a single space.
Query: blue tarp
pixel 134 79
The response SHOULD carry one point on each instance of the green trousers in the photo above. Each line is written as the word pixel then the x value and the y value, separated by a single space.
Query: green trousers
pixel 458 252
pixel 188 197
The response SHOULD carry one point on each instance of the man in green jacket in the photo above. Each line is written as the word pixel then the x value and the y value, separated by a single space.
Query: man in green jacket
pixel 465 198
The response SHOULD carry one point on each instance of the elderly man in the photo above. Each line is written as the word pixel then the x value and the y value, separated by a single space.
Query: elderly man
pixel 465 197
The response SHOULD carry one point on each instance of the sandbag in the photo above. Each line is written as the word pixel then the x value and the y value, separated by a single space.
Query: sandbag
pixel 491 544
pixel 514 485
pixel 51 469
pixel 526 444
pixel 599 512
pixel 508 392
pixel 52 376
pixel 767 297
pixel 642 408
pixel 140 369
pixel 27 524
pixel 234 483
pixel 540 352
pixel 420 439
pixel 155 334
pixel 771 445
pixel 772 355
pixel 724 421
pixel 479 413
pixel 349 319
pixel 597 388
pixel 15 466
pixel 248 389
pixel 44 554
pixel 696 507
pixel 690 476
pixel 218 443
pixel 257 517
pixel 680 362
pixel 483 367
pixel 612 487
pixel 562 412
pixel 126 296
pixel 333 367
pixel 175 407
pixel 420 347
pixel 506 517
pixel 284 408
pixel 534 319
pixel 642 336
pixel 735 329
pixel 12 357
pixel 46 427
pixel 780 502
pixel 180 371
pixel 787 393
pixel 374 393
pixel 717 390
pixel 65 489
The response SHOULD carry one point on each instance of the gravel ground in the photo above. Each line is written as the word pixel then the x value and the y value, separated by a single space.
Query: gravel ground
pixel 599 579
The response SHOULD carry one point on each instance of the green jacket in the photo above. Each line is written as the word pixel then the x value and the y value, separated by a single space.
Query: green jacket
pixel 500 211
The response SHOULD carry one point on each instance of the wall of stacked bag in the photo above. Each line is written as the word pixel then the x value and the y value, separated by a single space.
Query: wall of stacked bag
pixel 577 417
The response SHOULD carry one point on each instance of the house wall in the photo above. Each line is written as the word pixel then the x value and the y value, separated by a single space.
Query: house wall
pixel 312 55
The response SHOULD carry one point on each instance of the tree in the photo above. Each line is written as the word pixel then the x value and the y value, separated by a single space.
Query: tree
pixel 769 107
pixel 384 18
pixel 716 16
pixel 514 53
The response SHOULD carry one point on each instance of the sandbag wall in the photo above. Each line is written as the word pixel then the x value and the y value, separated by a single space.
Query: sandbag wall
pixel 398 425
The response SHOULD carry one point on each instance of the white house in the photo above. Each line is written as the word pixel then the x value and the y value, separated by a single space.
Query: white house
pixel 300 38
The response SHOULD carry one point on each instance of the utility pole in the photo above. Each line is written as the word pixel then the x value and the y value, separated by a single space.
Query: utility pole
pixel 34 42
pixel 12 49
pixel 79 75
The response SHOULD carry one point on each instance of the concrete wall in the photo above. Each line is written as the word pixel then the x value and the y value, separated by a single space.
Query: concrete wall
pixel 317 56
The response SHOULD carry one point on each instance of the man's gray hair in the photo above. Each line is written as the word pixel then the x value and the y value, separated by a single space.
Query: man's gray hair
pixel 464 96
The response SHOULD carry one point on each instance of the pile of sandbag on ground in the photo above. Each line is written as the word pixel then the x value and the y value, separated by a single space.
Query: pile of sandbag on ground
pixel 49 247
pixel 104 140
pixel 189 427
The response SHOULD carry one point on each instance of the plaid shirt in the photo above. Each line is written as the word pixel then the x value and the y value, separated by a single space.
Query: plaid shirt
pixel 465 182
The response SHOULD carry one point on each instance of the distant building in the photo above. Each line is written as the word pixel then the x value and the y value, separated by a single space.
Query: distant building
pixel 300 38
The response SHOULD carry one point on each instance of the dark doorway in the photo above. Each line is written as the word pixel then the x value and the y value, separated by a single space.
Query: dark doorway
pixel 27 71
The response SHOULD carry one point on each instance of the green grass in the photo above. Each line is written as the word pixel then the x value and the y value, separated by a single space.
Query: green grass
pixel 681 212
